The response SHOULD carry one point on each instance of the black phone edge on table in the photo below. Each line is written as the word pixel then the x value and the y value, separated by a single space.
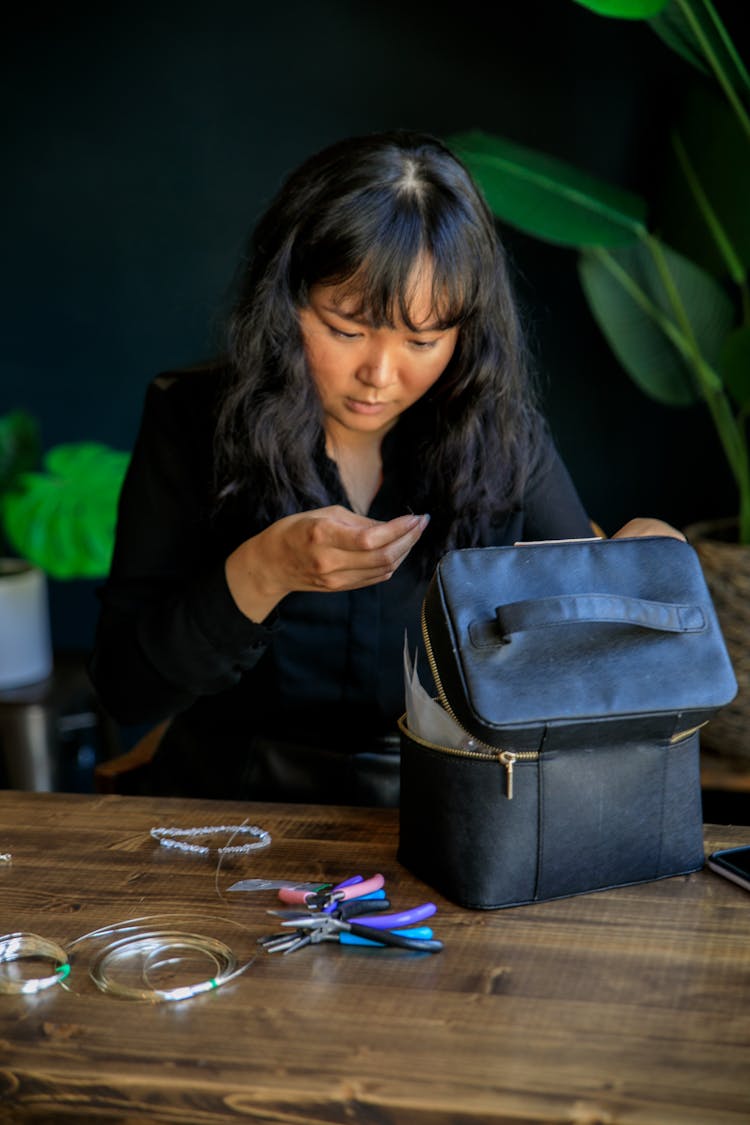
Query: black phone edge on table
pixel 721 862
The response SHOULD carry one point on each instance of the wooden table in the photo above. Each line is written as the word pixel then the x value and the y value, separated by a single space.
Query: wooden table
pixel 628 1006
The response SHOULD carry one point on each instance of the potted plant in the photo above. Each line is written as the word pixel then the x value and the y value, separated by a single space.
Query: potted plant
pixel 673 302
pixel 57 519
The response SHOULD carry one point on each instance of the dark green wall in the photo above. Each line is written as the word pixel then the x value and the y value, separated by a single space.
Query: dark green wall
pixel 144 140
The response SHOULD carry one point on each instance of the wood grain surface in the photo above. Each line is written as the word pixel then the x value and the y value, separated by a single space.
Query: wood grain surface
pixel 629 1006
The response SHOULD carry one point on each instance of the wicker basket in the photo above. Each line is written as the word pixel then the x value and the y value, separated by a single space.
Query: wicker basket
pixel 726 566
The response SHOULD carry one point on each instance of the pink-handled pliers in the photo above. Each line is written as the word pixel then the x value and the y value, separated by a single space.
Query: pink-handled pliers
pixel 319 900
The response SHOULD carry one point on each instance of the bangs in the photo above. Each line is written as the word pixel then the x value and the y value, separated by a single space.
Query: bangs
pixel 382 291
pixel 378 266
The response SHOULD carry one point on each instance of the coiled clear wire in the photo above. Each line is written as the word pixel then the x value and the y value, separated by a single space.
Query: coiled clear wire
pixel 27 947
pixel 147 954
pixel 157 958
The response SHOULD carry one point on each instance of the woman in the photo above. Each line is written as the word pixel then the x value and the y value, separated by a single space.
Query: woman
pixel 285 506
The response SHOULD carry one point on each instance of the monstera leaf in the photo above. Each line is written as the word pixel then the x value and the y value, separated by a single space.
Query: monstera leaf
pixel 63 519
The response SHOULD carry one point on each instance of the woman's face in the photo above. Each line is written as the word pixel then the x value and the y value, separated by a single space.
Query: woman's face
pixel 367 376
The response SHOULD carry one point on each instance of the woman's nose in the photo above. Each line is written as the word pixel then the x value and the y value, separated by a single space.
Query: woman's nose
pixel 378 368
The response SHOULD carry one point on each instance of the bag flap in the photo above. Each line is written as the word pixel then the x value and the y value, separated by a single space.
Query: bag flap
pixel 573 631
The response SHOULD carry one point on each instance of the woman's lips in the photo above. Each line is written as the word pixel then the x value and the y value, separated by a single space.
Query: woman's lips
pixel 358 407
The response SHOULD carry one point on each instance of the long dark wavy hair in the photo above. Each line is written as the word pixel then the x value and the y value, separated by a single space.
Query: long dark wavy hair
pixel 367 210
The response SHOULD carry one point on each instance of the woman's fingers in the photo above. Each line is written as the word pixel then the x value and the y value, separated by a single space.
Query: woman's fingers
pixel 329 549
pixel 364 537
pixel 346 552
pixel 645 525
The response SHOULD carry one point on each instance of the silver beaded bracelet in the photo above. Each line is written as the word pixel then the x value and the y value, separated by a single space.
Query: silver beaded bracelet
pixel 179 837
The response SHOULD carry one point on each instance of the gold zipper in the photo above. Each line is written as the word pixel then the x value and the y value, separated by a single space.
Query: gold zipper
pixel 683 734
pixel 433 668
pixel 506 758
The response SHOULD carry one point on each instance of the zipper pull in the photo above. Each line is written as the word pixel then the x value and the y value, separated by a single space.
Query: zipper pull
pixel 508 758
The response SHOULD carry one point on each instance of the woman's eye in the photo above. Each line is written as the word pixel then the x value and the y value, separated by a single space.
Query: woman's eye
pixel 423 345
pixel 339 334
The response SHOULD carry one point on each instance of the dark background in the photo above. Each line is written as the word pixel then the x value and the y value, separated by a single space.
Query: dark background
pixel 144 140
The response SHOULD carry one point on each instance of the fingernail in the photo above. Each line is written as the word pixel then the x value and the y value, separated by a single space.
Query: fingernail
pixel 425 519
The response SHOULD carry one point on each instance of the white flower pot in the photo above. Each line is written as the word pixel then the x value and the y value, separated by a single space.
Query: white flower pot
pixel 25 647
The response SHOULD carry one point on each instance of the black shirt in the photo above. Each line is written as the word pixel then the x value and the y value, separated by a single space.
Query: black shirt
pixel 325 670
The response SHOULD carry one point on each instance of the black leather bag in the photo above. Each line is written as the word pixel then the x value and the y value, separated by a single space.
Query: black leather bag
pixel 581 673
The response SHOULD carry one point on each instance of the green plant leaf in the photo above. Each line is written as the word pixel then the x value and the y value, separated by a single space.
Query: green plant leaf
pixel 22 523
pixel 694 30
pixel 20 446
pixel 63 520
pixel 721 238
pixel 735 366
pixel 548 198
pixel 673 29
pixel 632 307
pixel 707 170
pixel 624 9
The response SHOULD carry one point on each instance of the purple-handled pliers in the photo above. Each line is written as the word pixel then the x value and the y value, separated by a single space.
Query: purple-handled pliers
pixel 350 910
pixel 319 927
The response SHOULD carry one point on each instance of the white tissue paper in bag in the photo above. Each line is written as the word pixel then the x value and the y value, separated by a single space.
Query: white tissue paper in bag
pixel 425 717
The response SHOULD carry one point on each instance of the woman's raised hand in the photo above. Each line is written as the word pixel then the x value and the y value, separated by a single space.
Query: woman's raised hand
pixel 327 549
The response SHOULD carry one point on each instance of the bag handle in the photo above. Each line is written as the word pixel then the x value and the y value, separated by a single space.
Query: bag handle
pixel 516 617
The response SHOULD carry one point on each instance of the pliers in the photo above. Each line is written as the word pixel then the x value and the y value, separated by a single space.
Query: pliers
pixel 375 928
pixel 327 927
pixel 327 899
